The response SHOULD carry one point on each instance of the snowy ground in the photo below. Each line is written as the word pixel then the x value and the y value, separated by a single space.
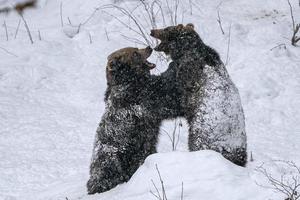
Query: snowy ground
pixel 51 100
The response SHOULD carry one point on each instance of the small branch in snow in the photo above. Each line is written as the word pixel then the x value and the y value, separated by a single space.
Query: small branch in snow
pixel 40 37
pixel 90 37
pixel 91 16
pixel 295 39
pixel 278 46
pixel 191 7
pixel 106 33
pixel 5 27
pixel 69 21
pixel 181 196
pixel 162 184
pixel 61 14
pixel 17 30
pixel 291 13
pixel 8 52
pixel 79 26
pixel 27 28
pixel 251 157
pixel 175 12
pixel 228 46
pixel 220 22
pixel 288 183
pixel 170 13
pixel 161 195
pixel 134 40
pixel 140 27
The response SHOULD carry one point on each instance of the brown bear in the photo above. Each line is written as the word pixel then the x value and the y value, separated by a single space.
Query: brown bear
pixel 136 103
pixel 209 99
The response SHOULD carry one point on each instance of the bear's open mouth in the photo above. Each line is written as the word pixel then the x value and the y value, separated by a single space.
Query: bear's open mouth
pixel 155 33
pixel 146 53
pixel 158 34
pixel 149 65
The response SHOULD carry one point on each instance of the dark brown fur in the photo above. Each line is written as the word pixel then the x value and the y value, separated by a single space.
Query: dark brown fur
pixel 20 7
pixel 209 99
pixel 136 104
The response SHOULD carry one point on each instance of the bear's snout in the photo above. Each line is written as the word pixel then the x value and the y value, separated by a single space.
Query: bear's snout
pixel 156 33
pixel 152 33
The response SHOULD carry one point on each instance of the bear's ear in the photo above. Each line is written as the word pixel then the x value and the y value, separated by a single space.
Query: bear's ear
pixel 190 26
pixel 180 26
pixel 111 65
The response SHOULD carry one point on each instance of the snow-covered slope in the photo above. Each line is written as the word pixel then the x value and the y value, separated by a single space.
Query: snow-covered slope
pixel 51 100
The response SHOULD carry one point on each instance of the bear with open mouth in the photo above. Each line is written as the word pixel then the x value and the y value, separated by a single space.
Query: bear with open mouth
pixel 136 104
pixel 209 99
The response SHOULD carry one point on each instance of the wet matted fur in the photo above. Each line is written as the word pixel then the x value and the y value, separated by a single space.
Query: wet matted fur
pixel 209 99
pixel 136 104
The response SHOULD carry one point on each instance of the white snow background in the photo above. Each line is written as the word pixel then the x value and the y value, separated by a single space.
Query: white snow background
pixel 51 100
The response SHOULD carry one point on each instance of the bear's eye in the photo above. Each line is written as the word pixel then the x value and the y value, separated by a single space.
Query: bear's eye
pixel 136 56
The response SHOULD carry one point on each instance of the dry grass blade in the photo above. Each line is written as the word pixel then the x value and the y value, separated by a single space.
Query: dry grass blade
pixel 6 32
pixel 8 52
pixel 27 28
pixel 17 29
pixel 61 14
pixel 296 27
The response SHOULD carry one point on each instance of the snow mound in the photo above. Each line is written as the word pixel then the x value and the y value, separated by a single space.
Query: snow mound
pixel 204 175
pixel 51 100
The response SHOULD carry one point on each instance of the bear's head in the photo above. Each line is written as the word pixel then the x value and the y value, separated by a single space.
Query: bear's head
pixel 176 40
pixel 127 65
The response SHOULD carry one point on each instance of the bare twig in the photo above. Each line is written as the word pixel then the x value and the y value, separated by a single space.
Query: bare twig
pixel 162 184
pixel 125 24
pixel 162 195
pixel 170 12
pixel 134 19
pixel 191 7
pixel 175 11
pixel 149 13
pixel 287 184
pixel 40 37
pixel 181 197
pixel 220 22
pixel 106 33
pixel 278 46
pixel 69 20
pixel 228 46
pixel 78 29
pixel 174 138
pixel 61 14
pixel 5 27
pixel 8 52
pixel 291 13
pixel 17 30
pixel 157 191
pixel 295 39
pixel 251 157
pixel 179 126
pixel 134 40
pixel 161 11
pixel 27 28
pixel 90 37
pixel 91 16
